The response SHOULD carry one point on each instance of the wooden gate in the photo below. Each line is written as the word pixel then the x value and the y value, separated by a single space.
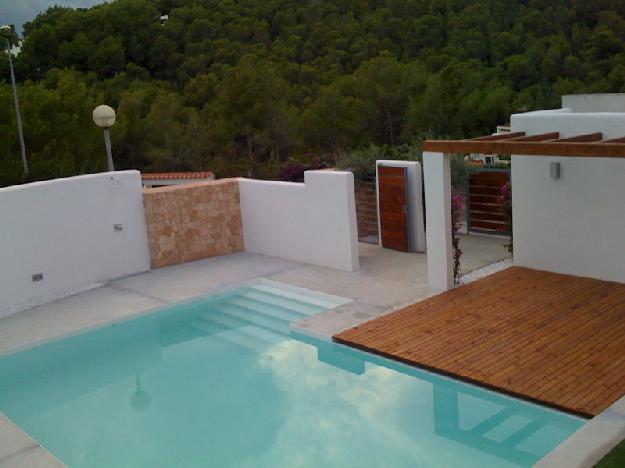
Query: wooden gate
pixel 485 212
pixel 393 208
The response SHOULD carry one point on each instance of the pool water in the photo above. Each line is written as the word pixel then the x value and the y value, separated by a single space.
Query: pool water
pixel 220 381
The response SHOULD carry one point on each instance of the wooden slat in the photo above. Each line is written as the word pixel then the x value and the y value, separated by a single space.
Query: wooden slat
pixel 499 136
pixel 527 148
pixel 484 198
pixel 539 137
pixel 490 175
pixel 481 190
pixel 546 337
pixel 488 225
pixel 581 138
pixel 494 207
pixel 488 181
pixel 488 216
pixel 614 140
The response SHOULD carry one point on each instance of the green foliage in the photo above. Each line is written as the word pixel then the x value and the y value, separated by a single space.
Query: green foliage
pixel 459 170
pixel 362 161
pixel 242 87
pixel 614 459
pixel 60 104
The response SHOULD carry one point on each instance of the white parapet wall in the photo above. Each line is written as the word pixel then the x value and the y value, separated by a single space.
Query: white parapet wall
pixel 62 235
pixel 313 222
pixel 574 224
pixel 608 102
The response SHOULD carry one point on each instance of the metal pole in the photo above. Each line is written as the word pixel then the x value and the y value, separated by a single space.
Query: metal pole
pixel 17 111
pixel 109 155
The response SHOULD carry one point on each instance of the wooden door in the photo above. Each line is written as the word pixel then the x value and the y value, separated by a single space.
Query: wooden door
pixel 393 209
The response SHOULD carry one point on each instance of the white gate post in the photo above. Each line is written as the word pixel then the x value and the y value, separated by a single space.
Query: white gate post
pixel 437 180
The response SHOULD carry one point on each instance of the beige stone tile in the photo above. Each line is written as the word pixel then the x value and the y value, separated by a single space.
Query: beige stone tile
pixel 35 457
pixel 18 450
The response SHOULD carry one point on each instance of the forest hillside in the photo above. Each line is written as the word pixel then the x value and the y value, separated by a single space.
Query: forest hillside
pixel 247 87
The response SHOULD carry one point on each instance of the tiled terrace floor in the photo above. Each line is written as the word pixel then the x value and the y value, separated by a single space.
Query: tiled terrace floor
pixel 551 338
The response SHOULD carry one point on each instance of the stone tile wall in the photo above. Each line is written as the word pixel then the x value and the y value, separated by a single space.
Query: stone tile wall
pixel 193 221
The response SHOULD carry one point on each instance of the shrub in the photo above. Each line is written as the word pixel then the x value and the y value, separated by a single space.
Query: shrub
pixel 362 161
pixel 293 169
pixel 505 198
pixel 459 170
pixel 456 222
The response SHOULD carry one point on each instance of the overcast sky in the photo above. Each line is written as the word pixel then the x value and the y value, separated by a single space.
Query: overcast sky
pixel 18 12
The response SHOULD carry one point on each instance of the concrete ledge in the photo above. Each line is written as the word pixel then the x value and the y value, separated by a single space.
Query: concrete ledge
pixel 590 443
pixel 18 450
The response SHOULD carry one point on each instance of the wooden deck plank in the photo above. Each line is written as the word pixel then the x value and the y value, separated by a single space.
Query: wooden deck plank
pixel 547 337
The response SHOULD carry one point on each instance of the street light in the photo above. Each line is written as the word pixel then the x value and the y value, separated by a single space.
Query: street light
pixel 7 33
pixel 104 117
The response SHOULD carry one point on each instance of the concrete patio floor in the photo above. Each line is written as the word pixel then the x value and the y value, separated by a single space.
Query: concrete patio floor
pixel 387 279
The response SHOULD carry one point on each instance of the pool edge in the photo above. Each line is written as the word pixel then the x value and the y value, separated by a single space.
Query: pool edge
pixel 29 452
pixel 591 442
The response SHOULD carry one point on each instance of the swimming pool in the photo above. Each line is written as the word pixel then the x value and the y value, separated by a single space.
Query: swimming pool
pixel 221 381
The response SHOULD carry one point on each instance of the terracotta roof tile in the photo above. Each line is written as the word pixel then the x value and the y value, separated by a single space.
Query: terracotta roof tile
pixel 177 175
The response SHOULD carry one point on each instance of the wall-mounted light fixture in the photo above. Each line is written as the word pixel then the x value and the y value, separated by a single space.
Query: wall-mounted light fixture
pixel 554 170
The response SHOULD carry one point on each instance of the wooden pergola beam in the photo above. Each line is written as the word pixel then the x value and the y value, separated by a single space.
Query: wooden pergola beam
pixel 539 137
pixel 613 140
pixel 581 138
pixel 499 136
pixel 528 148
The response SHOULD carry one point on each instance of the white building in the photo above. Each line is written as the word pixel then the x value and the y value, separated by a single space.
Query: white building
pixel 568 189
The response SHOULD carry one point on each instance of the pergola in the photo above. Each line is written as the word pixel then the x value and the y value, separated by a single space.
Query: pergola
pixel 437 179
pixel 544 144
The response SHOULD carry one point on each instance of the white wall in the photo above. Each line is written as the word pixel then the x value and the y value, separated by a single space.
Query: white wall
pixel 575 224
pixel 608 102
pixel 313 222
pixel 63 228
pixel 437 180
pixel 414 198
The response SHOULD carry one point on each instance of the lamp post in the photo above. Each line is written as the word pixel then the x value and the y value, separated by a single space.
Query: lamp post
pixel 7 32
pixel 104 117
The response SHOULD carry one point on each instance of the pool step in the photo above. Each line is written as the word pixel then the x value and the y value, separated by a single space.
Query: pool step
pixel 323 303
pixel 292 304
pixel 218 321
pixel 253 317
pixel 266 308
pixel 257 316
pixel 247 336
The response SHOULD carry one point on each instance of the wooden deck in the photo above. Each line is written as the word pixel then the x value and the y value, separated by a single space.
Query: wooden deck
pixel 551 338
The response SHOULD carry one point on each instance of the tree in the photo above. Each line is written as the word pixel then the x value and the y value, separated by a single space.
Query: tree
pixel 253 101
pixel 108 58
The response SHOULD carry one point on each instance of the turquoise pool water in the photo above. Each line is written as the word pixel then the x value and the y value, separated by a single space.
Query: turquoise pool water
pixel 221 382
